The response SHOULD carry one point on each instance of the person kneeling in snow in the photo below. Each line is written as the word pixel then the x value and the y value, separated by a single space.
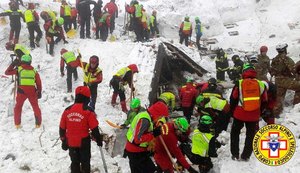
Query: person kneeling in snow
pixel 204 145
pixel 135 108
pixel 173 132
pixel 76 122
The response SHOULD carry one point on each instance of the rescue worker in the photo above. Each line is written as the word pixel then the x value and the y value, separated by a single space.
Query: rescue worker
pixel 263 64
pixel 198 30
pixel 141 132
pixel 32 20
pixel 135 9
pixel 211 89
pixel 221 65
pixel 76 122
pixel 65 13
pixel 153 25
pixel 15 16
pixel 145 24
pixel 104 24
pixel 187 95
pixel 29 87
pixel 248 98
pixel 74 13
pixel 112 9
pixel 236 71
pixel 84 11
pixel 48 15
pixel 72 62
pixel 175 128
pixel 204 145
pixel 283 68
pixel 54 29
pixel 123 77
pixel 169 99
pixel 17 2
pixel 92 77
pixel 97 15
pixel 135 108
pixel 185 31
pixel 217 108
pixel 19 50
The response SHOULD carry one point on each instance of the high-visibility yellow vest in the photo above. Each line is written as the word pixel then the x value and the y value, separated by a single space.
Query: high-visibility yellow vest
pixel 152 18
pixel 67 10
pixel 207 95
pixel 138 10
pixel 200 143
pixel 144 16
pixel 29 17
pixel 121 73
pixel 69 57
pixel 216 103
pixel 26 77
pixel 22 49
pixel 52 15
pixel 88 76
pixel 133 124
pixel 187 26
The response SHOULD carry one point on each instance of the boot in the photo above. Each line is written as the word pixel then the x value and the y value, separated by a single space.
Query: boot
pixel 123 106
pixel 114 99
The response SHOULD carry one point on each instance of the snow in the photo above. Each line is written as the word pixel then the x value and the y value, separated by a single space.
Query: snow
pixel 35 149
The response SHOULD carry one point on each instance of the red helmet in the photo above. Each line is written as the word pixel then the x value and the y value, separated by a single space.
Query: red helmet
pixel 31 6
pixel 133 68
pixel 158 109
pixel 264 49
pixel 9 46
pixel 83 90
pixel 94 59
pixel 63 50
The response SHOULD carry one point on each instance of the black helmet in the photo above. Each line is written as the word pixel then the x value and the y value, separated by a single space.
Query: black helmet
pixel 212 81
pixel 235 58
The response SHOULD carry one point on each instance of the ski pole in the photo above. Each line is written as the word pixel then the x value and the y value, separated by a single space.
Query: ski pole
pixel 103 159
pixel 168 152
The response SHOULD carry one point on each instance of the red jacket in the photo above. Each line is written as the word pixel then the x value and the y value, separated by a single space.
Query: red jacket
pixel 11 70
pixel 238 112
pixel 188 94
pixel 111 8
pixel 77 120
pixel 161 157
pixel 74 13
pixel 141 135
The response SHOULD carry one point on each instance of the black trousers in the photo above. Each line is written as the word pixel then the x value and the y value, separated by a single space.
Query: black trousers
pixel 198 42
pixel 67 23
pixel 93 89
pixel 71 71
pixel 74 23
pixel 235 138
pixel 115 83
pixel 103 32
pixel 222 122
pixel 221 75
pixel 15 31
pixel 184 38
pixel 81 157
pixel 188 112
pixel 85 26
pixel 112 23
pixel 138 29
pixel 34 27
pixel 141 162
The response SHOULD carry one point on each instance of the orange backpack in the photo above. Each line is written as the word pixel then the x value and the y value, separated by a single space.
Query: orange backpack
pixel 250 94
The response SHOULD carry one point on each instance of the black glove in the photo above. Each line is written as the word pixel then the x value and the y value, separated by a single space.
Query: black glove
pixel 39 94
pixel 16 62
pixel 64 145
pixel 132 89
pixel 157 131
pixel 100 141
pixel 66 42
pixel 62 74
pixel 192 170
pixel 123 126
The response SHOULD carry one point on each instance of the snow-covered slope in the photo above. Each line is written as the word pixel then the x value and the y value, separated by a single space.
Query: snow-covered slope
pixel 35 149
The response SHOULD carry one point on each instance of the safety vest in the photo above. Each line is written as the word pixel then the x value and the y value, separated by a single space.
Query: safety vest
pixel 138 10
pixel 26 77
pixel 144 16
pixel 200 143
pixel 133 124
pixel 69 57
pixel 52 15
pixel 88 76
pixel 207 95
pixel 250 91
pixel 22 49
pixel 186 26
pixel 168 98
pixel 67 10
pixel 121 73
pixel 152 19
pixel 198 29
pixel 216 104
pixel 29 17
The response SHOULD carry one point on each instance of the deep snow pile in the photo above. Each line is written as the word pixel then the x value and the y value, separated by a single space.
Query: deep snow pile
pixel 35 149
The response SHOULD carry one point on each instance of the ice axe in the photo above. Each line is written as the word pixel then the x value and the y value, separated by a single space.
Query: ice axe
pixel 168 152
pixel 102 155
